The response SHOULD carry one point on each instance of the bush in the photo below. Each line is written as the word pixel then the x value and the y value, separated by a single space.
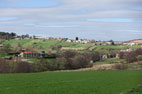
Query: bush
pixel 73 60
pixel 68 54
pixel 40 65
pixel 15 67
pixel 132 56
pixel 96 57
pixel 80 62
pixel 4 67
pixel 139 58
pixel 24 67
pixel 137 90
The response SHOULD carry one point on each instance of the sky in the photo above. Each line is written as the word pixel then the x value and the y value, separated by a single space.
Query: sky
pixel 118 20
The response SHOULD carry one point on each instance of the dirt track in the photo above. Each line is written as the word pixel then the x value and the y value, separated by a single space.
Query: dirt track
pixel 96 67
pixel 104 67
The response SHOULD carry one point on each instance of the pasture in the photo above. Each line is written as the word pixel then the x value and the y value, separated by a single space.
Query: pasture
pixel 40 44
pixel 87 82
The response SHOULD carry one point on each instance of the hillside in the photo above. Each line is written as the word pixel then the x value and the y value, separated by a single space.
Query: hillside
pixel 48 44
pixel 41 44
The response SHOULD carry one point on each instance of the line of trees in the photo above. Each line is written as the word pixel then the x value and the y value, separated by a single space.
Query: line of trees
pixel 7 36
pixel 67 60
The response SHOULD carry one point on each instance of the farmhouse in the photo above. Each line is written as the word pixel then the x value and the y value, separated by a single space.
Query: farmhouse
pixel 69 40
pixel 32 54
pixel 127 50
pixel 29 54
pixel 139 41
pixel 117 55
pixel 1 45
pixel 104 56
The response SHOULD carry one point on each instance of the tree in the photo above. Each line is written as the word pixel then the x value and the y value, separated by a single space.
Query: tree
pixel 17 47
pixel 7 48
pixel 7 36
pixel 80 61
pixel 112 42
pixel 76 38
pixel 131 57
pixel 24 67
pixel 96 57
pixel 68 54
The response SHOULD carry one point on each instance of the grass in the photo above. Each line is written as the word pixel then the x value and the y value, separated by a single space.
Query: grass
pixel 3 55
pixel 88 82
pixel 137 90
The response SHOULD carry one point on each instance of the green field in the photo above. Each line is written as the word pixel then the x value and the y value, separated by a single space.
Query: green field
pixel 88 82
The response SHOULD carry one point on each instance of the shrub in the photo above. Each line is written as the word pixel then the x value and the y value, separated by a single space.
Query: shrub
pixel 41 65
pixel 96 57
pixel 24 67
pixel 139 58
pixel 4 67
pixel 68 54
pixel 137 90
pixel 80 62
pixel 132 56
pixel 56 66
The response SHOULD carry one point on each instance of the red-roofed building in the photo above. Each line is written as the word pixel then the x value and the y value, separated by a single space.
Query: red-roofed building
pixel 29 54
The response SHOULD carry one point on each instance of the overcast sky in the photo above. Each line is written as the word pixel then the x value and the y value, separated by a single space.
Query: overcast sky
pixel 92 19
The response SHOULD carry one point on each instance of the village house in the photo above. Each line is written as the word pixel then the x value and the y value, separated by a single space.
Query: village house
pixel 1 45
pixel 132 43
pixel 38 37
pixel 69 40
pixel 59 39
pixel 127 50
pixel 32 54
pixel 108 43
pixel 104 56
pixel 84 41
pixel 118 43
pixel 92 41
pixel 139 41
pixel 29 54
pixel 117 55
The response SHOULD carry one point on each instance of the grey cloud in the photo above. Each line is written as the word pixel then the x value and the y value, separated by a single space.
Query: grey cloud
pixel 70 19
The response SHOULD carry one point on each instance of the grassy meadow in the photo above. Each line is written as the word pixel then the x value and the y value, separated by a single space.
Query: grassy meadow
pixel 46 44
pixel 87 82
